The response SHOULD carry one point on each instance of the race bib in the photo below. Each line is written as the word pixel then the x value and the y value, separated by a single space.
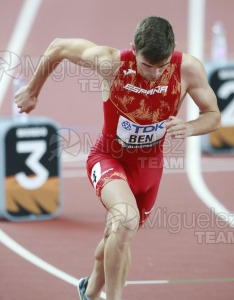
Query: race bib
pixel 131 135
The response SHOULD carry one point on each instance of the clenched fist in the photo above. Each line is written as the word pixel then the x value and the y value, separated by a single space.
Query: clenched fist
pixel 25 101
pixel 177 128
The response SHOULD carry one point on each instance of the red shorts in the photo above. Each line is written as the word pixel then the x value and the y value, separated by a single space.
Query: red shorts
pixel 140 169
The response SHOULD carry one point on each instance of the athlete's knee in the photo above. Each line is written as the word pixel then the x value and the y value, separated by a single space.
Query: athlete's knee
pixel 123 220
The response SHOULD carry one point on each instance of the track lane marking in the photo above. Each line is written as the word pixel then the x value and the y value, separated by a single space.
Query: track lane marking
pixel 38 262
pixel 18 39
pixel 35 260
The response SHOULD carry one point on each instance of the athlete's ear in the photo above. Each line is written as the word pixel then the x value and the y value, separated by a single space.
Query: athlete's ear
pixel 133 48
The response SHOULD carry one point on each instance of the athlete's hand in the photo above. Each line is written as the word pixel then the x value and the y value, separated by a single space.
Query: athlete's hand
pixel 25 101
pixel 177 128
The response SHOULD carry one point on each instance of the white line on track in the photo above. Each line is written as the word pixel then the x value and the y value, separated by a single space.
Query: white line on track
pixel 140 282
pixel 27 255
pixel 20 34
pixel 35 260
pixel 196 29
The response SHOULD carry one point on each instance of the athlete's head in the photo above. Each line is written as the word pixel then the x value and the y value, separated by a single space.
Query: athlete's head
pixel 153 45
pixel 154 39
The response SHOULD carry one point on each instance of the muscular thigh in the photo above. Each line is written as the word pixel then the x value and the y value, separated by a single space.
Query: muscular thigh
pixel 121 205
pixel 144 180
pixel 125 185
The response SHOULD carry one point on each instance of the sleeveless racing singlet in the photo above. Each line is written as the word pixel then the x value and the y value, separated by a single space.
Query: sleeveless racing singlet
pixel 134 131
pixel 137 108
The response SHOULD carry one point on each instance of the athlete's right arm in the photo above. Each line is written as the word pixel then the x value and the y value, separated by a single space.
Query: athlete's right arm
pixel 78 51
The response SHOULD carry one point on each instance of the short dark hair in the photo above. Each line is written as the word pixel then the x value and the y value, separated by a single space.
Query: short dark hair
pixel 154 39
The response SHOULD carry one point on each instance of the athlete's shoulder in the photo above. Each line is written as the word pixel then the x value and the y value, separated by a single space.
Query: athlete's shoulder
pixel 191 64
pixel 192 70
pixel 189 60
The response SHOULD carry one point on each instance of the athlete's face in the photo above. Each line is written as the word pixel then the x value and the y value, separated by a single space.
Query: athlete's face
pixel 149 71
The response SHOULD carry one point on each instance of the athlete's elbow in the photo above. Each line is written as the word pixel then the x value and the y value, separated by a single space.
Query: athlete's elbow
pixel 217 121
pixel 55 49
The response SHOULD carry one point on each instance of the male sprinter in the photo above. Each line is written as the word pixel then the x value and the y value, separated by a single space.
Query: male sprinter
pixel 143 89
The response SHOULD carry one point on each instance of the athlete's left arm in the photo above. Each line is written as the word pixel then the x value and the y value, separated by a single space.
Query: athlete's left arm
pixel 194 78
